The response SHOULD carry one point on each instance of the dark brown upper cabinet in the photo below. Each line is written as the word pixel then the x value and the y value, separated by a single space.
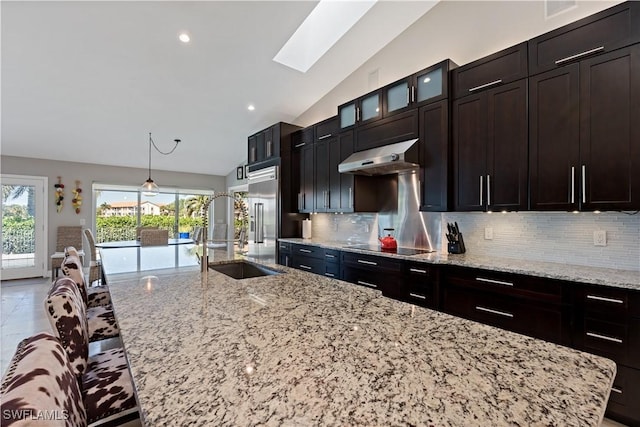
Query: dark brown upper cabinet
pixel 435 156
pixel 497 69
pixel 364 109
pixel 303 155
pixel 398 128
pixel 424 87
pixel 490 149
pixel 267 144
pixel 585 134
pixel 327 158
pixel 609 30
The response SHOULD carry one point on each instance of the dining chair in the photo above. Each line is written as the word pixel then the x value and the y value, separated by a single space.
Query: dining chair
pixel 145 227
pixel 105 382
pixel 41 380
pixel 157 237
pixel 96 274
pixel 93 296
pixel 65 236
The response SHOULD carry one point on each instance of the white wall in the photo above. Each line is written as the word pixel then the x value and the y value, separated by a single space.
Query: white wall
pixel 460 30
pixel 90 173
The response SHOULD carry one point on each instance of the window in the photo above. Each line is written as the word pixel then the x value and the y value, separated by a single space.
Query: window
pixel 119 210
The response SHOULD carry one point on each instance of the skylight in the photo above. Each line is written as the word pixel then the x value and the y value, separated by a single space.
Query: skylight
pixel 324 26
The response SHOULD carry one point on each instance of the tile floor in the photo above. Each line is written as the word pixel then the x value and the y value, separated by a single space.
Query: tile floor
pixel 23 315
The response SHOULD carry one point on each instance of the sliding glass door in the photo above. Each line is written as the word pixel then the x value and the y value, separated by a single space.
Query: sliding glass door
pixel 120 210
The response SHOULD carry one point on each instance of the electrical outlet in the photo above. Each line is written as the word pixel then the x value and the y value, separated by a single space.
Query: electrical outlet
pixel 488 233
pixel 83 222
pixel 600 238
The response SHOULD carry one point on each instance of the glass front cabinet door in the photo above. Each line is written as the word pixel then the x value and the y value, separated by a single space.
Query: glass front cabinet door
pixel 362 110
pixel 421 88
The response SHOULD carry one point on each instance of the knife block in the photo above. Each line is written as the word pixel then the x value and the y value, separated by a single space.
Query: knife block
pixel 457 247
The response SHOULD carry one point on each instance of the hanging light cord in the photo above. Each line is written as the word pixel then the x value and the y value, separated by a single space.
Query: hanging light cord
pixel 151 142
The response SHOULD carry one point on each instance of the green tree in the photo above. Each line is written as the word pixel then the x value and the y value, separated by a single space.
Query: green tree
pixel 194 204
pixel 102 208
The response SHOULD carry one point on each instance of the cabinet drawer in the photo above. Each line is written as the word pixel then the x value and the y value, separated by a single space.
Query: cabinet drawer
pixel 617 341
pixel 309 251
pixel 332 256
pixel 540 322
pixel 371 262
pixel 625 395
pixel 526 287
pixel 284 247
pixel 311 265
pixel 502 67
pixel 610 302
pixel 608 30
pixel 364 278
pixel 332 270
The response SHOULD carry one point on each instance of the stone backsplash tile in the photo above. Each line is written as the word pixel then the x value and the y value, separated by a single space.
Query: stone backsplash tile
pixel 536 236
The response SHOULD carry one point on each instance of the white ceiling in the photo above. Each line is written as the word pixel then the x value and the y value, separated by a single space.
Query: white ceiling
pixel 86 81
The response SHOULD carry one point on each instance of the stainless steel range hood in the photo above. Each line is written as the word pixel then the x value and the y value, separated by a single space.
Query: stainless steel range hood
pixel 384 160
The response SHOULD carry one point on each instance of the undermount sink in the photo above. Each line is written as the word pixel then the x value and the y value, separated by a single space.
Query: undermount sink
pixel 242 270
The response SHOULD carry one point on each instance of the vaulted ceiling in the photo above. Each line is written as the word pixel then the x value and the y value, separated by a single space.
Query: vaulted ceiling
pixel 86 81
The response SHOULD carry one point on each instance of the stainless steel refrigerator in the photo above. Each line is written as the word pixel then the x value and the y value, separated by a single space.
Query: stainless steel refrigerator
pixel 263 213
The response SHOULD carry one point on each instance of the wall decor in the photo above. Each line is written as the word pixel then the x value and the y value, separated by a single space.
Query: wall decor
pixel 59 186
pixel 77 197
pixel 239 173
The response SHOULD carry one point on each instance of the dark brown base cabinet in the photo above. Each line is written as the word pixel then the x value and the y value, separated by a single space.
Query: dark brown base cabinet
pixel 523 304
pixel 607 323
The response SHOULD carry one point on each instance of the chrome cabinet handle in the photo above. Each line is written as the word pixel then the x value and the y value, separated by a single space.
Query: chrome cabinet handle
pixel 408 95
pixel 616 390
pixel 604 337
pixel 613 300
pixel 329 275
pixel 329 256
pixel 300 145
pixel 305 251
pixel 573 184
pixel 357 114
pixel 489 310
pixel 306 267
pixel 361 261
pixel 324 136
pixel 497 282
pixel 413 94
pixel 371 285
pixel 488 190
pixel 579 55
pixel 486 85
pixel 481 190
pixel 417 270
pixel 269 148
pixel 584 184
pixel 350 197
pixel 417 296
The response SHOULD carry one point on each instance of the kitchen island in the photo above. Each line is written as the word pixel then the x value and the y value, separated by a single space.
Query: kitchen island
pixel 300 349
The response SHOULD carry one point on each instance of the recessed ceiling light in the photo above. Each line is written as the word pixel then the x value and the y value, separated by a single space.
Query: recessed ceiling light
pixel 324 26
pixel 184 37
pixel 251 107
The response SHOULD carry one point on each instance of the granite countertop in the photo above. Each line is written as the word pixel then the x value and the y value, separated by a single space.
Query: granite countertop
pixel 302 349
pixel 628 279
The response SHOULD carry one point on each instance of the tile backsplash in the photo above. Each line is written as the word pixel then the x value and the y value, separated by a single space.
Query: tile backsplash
pixel 538 236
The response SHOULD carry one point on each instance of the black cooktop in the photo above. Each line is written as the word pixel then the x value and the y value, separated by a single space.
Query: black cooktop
pixel 399 251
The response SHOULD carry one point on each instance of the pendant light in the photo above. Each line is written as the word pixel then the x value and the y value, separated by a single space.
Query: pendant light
pixel 150 188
